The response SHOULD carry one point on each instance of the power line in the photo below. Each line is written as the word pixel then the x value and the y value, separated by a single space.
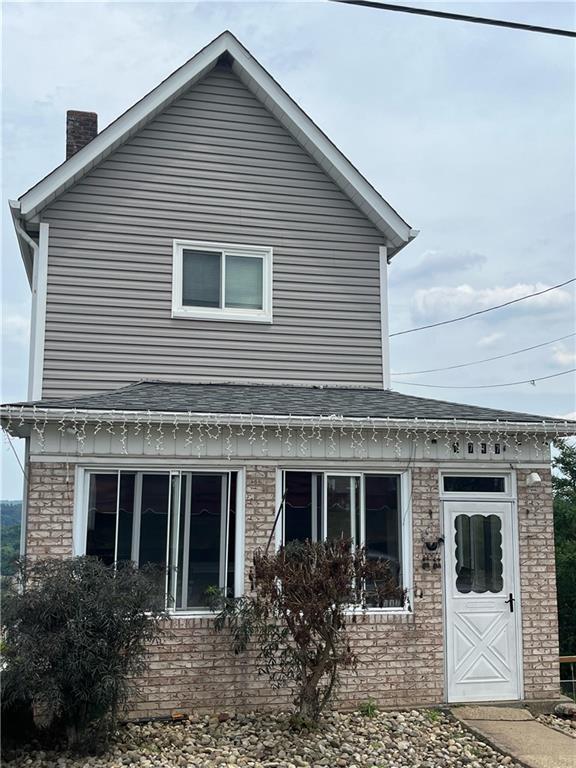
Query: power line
pixel 460 17
pixel 483 311
pixel 486 359
pixel 485 386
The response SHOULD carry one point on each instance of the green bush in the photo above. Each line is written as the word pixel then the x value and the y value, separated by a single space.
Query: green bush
pixel 564 485
pixel 75 634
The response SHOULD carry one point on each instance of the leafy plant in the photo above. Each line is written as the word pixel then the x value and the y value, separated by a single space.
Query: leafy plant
pixel 433 715
pixel 75 633
pixel 368 708
pixel 297 615
pixel 564 487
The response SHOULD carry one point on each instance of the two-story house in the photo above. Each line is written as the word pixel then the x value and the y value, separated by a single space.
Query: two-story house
pixel 209 337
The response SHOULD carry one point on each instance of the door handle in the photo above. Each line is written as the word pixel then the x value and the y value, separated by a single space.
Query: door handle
pixel 510 602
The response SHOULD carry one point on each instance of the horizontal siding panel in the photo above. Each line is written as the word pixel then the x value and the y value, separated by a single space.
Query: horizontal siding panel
pixel 215 166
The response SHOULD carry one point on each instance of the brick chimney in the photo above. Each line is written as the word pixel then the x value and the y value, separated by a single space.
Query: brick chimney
pixel 81 127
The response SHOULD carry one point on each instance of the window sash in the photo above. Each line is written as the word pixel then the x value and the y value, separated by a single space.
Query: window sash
pixel 173 513
pixel 358 528
pixel 223 311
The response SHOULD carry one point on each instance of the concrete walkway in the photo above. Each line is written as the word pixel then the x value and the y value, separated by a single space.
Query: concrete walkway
pixel 515 732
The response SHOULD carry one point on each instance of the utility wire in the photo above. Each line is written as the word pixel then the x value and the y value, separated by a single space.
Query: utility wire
pixel 460 17
pixel 486 359
pixel 484 386
pixel 483 311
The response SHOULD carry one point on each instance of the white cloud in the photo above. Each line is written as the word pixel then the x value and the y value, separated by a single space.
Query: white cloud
pixel 15 327
pixel 435 262
pixel 563 356
pixel 571 416
pixel 490 339
pixel 446 301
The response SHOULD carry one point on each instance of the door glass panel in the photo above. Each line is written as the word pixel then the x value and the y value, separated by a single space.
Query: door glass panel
pixel 342 508
pixel 478 541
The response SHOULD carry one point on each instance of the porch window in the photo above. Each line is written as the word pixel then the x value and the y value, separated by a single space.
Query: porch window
pixel 181 523
pixel 362 507
pixel 222 282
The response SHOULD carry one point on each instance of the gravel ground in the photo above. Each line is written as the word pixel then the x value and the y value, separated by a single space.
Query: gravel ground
pixel 425 739
pixel 560 723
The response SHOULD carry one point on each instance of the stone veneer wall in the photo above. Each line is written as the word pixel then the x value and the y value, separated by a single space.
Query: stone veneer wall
pixel 538 587
pixel 400 656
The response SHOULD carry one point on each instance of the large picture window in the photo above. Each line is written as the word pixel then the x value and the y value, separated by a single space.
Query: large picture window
pixel 222 282
pixel 365 508
pixel 181 524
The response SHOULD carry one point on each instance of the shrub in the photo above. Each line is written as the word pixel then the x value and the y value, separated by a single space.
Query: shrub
pixel 297 614
pixel 75 633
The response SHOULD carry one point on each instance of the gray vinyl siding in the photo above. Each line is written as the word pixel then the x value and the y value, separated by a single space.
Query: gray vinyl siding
pixel 215 166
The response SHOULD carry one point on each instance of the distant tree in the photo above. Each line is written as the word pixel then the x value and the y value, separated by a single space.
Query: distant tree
pixel 564 486
pixel 10 514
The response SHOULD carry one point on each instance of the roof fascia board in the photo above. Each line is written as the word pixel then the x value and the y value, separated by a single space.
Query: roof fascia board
pixel 28 248
pixel 272 95
pixel 122 128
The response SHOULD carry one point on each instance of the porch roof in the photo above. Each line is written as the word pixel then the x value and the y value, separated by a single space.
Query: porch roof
pixel 282 400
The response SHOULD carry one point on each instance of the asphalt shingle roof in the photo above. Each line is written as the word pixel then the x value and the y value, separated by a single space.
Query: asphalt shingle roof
pixel 281 401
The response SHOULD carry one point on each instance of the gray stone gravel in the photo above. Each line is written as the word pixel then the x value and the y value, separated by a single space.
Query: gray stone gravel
pixel 415 739
pixel 560 723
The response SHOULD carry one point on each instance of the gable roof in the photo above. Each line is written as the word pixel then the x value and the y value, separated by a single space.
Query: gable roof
pixel 284 400
pixel 396 231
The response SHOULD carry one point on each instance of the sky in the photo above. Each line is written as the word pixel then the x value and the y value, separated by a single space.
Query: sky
pixel 467 130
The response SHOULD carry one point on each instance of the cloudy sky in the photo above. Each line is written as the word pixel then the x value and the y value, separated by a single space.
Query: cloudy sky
pixel 468 131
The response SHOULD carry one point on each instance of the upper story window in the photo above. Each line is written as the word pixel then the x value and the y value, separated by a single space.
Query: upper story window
pixel 215 281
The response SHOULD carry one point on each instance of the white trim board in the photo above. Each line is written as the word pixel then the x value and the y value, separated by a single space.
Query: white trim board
pixel 397 232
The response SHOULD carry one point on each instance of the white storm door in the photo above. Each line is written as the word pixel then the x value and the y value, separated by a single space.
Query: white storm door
pixel 482 659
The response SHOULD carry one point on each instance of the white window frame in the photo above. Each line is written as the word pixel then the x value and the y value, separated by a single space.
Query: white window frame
pixel 80 521
pixel 405 513
pixel 233 314
pixel 507 493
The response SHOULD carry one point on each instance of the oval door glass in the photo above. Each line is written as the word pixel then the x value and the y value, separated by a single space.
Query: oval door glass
pixel 478 541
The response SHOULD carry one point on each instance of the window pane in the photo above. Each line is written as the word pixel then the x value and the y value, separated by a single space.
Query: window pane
pixel 200 279
pixel 478 553
pixel 102 499
pixel 205 515
pixel 231 535
pixel 243 282
pixel 302 506
pixel 342 508
pixel 154 522
pixel 383 528
pixel 125 516
pixel 478 484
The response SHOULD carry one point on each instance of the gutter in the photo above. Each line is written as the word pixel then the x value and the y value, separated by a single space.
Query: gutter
pixel 13 418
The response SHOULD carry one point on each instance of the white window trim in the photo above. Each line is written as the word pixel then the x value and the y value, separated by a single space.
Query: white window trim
pixel 507 493
pixel 263 315
pixel 80 521
pixel 405 523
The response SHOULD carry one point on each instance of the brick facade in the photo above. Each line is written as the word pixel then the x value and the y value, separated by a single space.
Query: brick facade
pixel 401 657
pixel 538 587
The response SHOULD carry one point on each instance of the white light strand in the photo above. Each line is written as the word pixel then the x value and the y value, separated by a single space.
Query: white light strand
pixel 148 429
pixel 124 436
pixel 228 442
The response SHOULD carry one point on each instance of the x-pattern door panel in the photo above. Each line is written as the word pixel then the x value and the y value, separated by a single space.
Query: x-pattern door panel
pixel 481 628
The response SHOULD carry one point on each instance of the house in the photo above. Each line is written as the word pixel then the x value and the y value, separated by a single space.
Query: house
pixel 210 336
